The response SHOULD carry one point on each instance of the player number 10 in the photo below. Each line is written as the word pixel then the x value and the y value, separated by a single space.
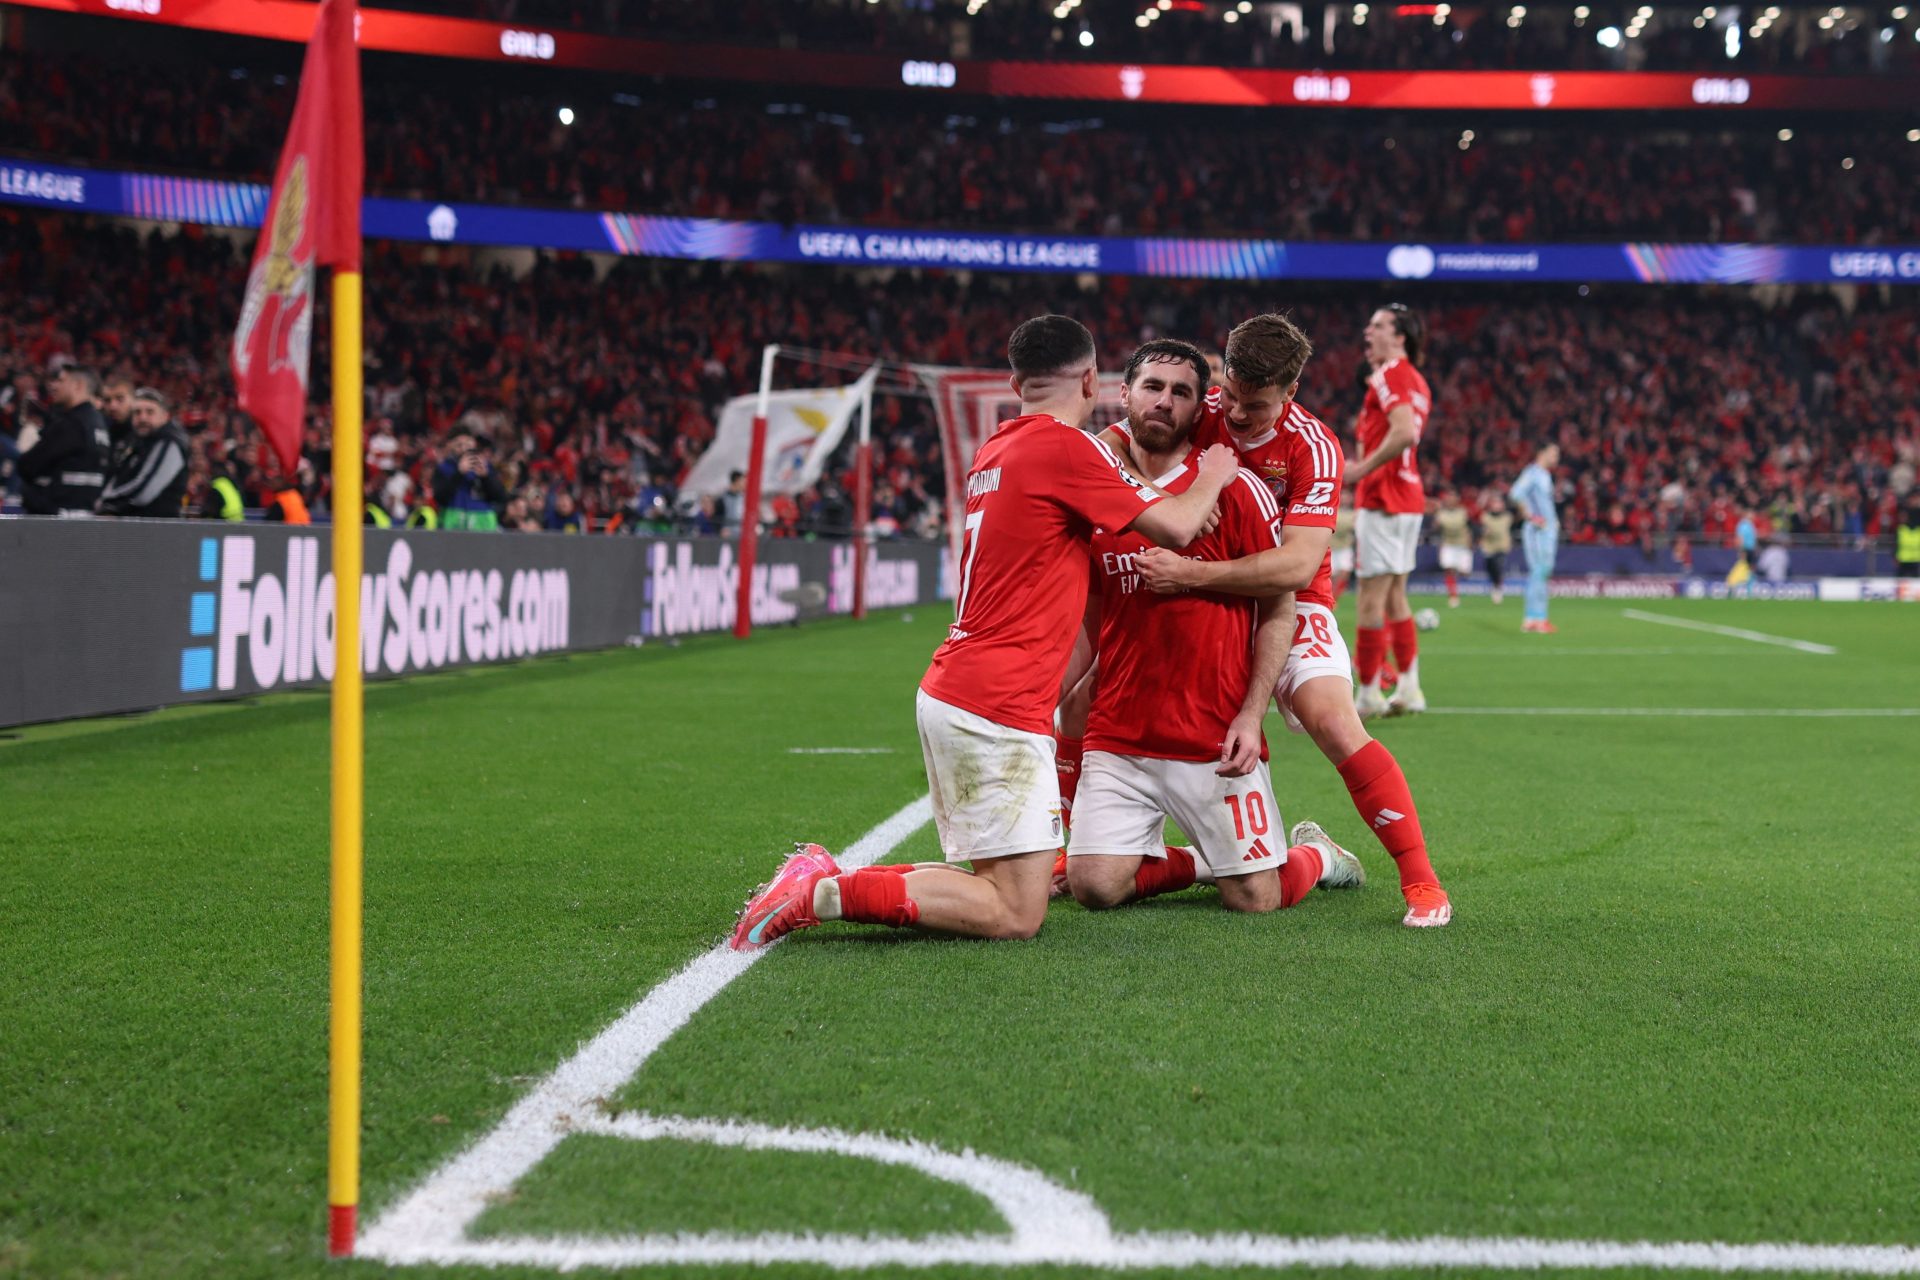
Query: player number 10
pixel 1254 820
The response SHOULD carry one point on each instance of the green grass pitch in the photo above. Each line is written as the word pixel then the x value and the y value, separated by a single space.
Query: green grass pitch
pixel 1680 999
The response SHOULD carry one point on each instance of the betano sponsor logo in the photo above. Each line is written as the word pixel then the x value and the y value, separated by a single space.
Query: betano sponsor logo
pixel 278 627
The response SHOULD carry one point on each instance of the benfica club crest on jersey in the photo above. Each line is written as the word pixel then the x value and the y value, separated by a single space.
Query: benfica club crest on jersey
pixel 1275 475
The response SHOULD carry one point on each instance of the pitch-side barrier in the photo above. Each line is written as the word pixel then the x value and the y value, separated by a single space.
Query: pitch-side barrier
pixel 99 617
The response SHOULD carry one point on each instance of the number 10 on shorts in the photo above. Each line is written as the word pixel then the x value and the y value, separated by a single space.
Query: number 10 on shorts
pixel 1249 815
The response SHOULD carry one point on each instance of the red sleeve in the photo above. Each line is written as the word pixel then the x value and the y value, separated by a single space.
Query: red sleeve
pixel 1313 475
pixel 1210 428
pixel 1249 516
pixel 1394 385
pixel 1089 481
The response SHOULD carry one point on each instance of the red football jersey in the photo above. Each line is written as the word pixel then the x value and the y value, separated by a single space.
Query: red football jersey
pixel 1300 462
pixel 1395 487
pixel 1037 490
pixel 1174 668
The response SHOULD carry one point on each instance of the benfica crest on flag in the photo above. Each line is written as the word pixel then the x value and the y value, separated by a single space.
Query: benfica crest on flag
pixel 313 217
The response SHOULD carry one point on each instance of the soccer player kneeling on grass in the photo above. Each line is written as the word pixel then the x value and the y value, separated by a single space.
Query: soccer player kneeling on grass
pixel 1174 728
pixel 1254 410
pixel 1038 488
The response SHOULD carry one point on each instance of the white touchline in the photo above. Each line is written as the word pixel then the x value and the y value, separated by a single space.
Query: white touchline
pixel 1738 633
pixel 1047 1224
pixel 1807 713
pixel 1535 651
pixel 839 751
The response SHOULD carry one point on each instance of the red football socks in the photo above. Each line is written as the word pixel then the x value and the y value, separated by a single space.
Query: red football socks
pixel 1372 651
pixel 1406 642
pixel 1066 761
pixel 1164 875
pixel 1385 804
pixel 876 895
pixel 1453 585
pixel 1299 873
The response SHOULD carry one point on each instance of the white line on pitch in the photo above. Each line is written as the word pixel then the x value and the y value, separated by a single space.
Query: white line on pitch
pixel 839 751
pixel 1792 713
pixel 1537 651
pixel 1738 633
pixel 438 1212
pixel 1048 1224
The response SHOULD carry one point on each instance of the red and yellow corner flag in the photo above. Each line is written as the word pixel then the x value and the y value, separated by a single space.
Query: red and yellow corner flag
pixel 312 216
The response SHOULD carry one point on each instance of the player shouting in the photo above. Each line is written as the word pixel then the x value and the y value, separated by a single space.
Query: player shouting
pixel 1254 410
pixel 1391 501
pixel 1174 729
pixel 1038 488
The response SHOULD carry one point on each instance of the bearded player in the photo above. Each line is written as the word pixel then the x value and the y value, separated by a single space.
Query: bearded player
pixel 1391 502
pixel 1254 410
pixel 1174 728
pixel 1037 489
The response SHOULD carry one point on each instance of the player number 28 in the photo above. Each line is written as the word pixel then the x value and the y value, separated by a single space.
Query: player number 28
pixel 1254 820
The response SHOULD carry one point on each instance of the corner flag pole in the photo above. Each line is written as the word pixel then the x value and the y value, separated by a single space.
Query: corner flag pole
pixel 343 1134
pixel 750 517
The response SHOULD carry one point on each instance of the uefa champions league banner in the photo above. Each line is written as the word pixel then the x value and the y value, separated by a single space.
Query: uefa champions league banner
pixel 238 204
pixel 101 617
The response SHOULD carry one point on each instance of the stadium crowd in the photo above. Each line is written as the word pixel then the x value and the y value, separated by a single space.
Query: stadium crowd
pixel 446 135
pixel 587 397
pixel 1261 35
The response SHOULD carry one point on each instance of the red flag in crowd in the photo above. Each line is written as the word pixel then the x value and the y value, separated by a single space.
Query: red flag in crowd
pixel 313 216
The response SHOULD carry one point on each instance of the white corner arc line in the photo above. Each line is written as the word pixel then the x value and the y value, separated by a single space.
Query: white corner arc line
pixel 441 1209
pixel 1791 713
pixel 1039 1212
pixel 1738 633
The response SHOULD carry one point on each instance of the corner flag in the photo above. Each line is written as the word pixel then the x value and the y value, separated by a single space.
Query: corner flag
pixel 313 216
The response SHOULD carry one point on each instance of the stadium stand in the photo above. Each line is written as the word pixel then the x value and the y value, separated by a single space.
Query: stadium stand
pixel 452 133
pixel 1676 409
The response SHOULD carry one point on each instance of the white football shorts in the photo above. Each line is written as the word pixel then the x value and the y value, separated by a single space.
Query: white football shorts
pixel 1385 543
pixel 995 792
pixel 1319 651
pixel 1456 559
pixel 1342 561
pixel 1123 804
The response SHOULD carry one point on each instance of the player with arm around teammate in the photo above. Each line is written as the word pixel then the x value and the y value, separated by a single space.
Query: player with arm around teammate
pixel 1037 489
pixel 1301 461
pixel 1174 727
